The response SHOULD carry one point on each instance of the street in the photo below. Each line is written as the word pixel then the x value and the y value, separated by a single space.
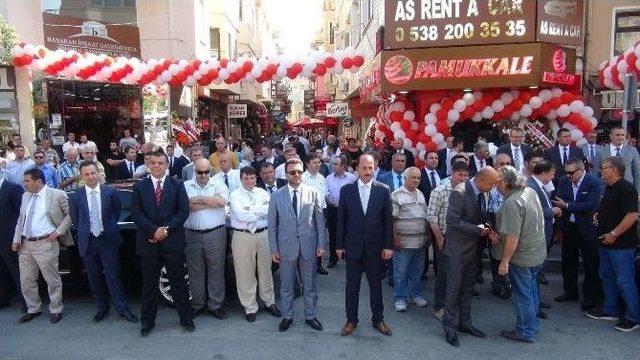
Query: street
pixel 567 334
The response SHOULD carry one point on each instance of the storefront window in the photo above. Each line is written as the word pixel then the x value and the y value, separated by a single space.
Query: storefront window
pixel 627 30
pixel 111 11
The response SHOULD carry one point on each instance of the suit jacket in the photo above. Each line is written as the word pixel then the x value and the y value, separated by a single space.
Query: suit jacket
pixel 553 154
pixel 57 211
pixel 463 218
pixel 10 201
pixel 425 184
pixel 388 178
pixel 357 232
pixel 472 165
pixel 148 216
pixel 584 206
pixel 122 171
pixel 442 163
pixel 506 149
pixel 292 236
pixel 279 183
pixel 547 209
pixel 110 207
pixel 188 172
pixel 593 164
pixel 179 162
pixel 631 161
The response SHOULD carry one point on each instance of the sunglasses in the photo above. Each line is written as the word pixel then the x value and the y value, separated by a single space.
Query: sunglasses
pixel 38 157
pixel 203 172
pixel 295 172
pixel 572 172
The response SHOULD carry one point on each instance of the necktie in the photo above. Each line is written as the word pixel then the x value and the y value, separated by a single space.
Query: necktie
pixel 516 158
pixel 270 189
pixel 131 168
pixel 170 162
pixel 294 202
pixel 565 156
pixel 481 204
pixel 481 164
pixel 618 151
pixel 94 214
pixel 226 180
pixel 364 197
pixel 28 223
pixel 158 192
pixel 592 153
pixel 433 179
pixel 400 180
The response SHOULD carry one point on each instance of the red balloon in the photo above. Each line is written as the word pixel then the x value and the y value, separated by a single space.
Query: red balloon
pixel 411 135
pixel 358 60
pixel 431 146
pixel 442 126
pixel 347 63
pixel 525 96
pixel 320 70
pixel 396 116
pixel 223 63
pixel 247 66
pixel 477 106
pixel 447 104
pixel 213 73
pixel 297 68
pixel 240 73
pixel 405 125
pixel 423 138
pixel 544 109
pixel 273 69
pixel 555 102
pixel 329 62
pixel 189 69
pixel 574 118
pixel 167 63
pixel 441 114
pixel 291 74
pixel 203 81
pixel 516 104
pixel 567 97
pixel 467 113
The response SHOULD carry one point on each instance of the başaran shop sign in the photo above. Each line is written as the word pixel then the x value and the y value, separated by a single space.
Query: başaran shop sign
pixel 511 65
pixel 90 36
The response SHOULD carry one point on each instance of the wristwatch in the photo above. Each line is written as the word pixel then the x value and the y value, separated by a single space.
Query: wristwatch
pixel 613 233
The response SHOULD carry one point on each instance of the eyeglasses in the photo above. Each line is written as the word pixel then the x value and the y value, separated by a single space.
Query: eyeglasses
pixel 504 164
pixel 295 172
pixel 570 173
pixel 38 157
pixel 203 172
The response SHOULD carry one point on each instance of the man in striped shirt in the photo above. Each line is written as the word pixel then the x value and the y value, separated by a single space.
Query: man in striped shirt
pixel 69 171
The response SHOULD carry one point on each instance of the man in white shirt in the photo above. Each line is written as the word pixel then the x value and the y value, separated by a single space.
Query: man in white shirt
pixel 178 151
pixel 289 153
pixel 591 151
pixel 84 141
pixel 227 175
pixel 70 144
pixel 516 149
pixel 206 238
pixel 313 178
pixel 250 245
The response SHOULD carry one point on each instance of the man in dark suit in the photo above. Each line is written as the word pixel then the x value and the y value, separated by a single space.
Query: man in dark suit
pixel 176 163
pixel 398 147
pixel 95 211
pixel 429 180
pixel 516 149
pixel 455 145
pixel 480 158
pixel 364 236
pixel 10 201
pixel 267 179
pixel 578 195
pixel 128 166
pixel 394 179
pixel 466 218
pixel 562 152
pixel 160 207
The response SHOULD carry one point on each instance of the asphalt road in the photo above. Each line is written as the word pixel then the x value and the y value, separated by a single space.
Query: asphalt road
pixel 567 334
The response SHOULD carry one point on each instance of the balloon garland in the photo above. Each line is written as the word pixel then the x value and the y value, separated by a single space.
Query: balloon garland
pixel 398 121
pixel 92 67
pixel 612 73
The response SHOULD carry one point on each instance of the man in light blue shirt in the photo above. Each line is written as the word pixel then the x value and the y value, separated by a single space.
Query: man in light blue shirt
pixel 50 178
pixel 16 168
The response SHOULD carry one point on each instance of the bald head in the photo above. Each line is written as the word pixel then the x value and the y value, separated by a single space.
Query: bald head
pixel 486 178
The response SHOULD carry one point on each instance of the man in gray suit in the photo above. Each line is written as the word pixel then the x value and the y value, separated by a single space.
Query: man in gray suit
pixel 466 218
pixel 629 154
pixel 188 171
pixel 592 152
pixel 296 237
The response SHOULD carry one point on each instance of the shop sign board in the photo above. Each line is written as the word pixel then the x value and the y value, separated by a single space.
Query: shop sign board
pixel 90 36
pixel 561 22
pixel 337 109
pixel 440 23
pixel 56 120
pixel 474 66
pixel 612 99
pixel 236 111
pixel 370 81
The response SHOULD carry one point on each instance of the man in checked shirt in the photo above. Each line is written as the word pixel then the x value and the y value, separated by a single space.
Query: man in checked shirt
pixel 437 218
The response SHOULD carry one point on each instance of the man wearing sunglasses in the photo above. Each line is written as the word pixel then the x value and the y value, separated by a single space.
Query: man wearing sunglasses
pixel 49 172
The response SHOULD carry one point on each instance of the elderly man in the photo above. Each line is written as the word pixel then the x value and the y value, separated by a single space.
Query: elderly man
pixel 50 177
pixel 15 169
pixel 480 158
pixel 89 152
pixel 437 218
pixel 616 221
pixel 499 284
pixel 206 239
pixel 228 176
pixel 221 149
pixel 69 171
pixel 523 250
pixel 395 179
pixel 247 158
pixel 50 155
pixel 409 210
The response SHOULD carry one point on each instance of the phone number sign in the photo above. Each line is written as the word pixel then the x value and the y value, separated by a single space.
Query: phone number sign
pixel 439 23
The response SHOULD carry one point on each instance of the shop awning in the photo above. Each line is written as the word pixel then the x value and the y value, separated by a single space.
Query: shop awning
pixel 308 123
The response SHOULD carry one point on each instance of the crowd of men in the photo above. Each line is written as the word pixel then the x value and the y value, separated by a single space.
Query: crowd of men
pixel 295 202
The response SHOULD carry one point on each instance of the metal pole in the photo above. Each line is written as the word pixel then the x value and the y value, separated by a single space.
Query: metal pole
pixel 629 98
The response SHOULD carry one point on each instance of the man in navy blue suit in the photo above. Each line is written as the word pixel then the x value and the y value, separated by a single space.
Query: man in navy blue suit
pixel 562 152
pixel 578 195
pixel 394 179
pixel 364 236
pixel 516 149
pixel 10 201
pixel 160 207
pixel 128 166
pixel 176 163
pixel 95 211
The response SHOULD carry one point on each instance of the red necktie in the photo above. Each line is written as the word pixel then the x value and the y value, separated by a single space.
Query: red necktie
pixel 158 192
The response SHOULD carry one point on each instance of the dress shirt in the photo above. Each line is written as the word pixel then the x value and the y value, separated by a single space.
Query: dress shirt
pixel 41 225
pixel 50 177
pixel 141 171
pixel 544 190
pixel 396 179
pixel 249 208
pixel 562 149
pixel 478 165
pixel 336 152
pixel 1 179
pixel 298 194
pixel 575 187
pixel 365 194
pixel 66 171
pixel 233 178
pixel 131 166
pixel 613 149
pixel 270 160
pixel 177 150
pixel 90 191
pixel 495 201
pixel 476 191
pixel 208 218
pixel 280 173
pixel 438 206
pixel 15 170
pixel 592 150
pixel 335 183
pixel 319 183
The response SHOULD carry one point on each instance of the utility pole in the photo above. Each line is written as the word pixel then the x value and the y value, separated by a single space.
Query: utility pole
pixel 629 97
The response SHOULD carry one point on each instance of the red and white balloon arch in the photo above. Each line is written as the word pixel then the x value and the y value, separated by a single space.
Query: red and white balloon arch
pixel 398 120
pixel 92 67
pixel 613 72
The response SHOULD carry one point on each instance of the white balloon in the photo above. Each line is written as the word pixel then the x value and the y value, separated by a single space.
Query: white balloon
pixel 576 134
pixel 477 117
pixel 576 106
pixel 256 71
pixel 564 110
pixel 395 126
pixel 378 135
pixel 435 107
pixel 420 147
pixel 552 115
pixel 506 98
pixel 197 75
pixel 282 71
pixel 515 116
pixel 568 125
pixel 556 92
pixel 468 98
pixel 487 112
pixel 460 105
pixel 174 69
pixel 622 67
pixel 182 63
pixel 453 116
pixel 477 95
pixel 399 134
pixel 396 106
pixel 430 130
pixel 223 74
pixel 545 95
pixel 535 102
pixel 497 105
pixel 430 118
pixel 438 138
pixel 409 115
pixel 407 143
pixel 415 126
pixel 442 145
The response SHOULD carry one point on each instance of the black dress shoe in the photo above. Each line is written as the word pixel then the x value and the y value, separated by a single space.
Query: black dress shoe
pixel 322 271
pixel 452 338
pixel 480 279
pixel 543 279
pixel 129 317
pixel 390 281
pixel 188 326
pixel 332 264
pixel 146 329
pixel 314 324
pixel 545 305
pixel 100 315
pixel 4 304
pixel 542 315
pixel 475 293
pixel 219 313
pixel 29 316
pixel 471 331
pixel 250 317
pixel 55 318
pixel 588 306
pixel 566 298
pixel 285 324
pixel 273 310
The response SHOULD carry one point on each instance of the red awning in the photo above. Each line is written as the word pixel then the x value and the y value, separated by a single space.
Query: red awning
pixel 308 123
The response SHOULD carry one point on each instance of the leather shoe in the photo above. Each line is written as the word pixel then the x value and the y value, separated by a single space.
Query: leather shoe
pixel 588 306
pixel 219 313
pixel 250 317
pixel 348 328
pixel 55 318
pixel 314 324
pixel 480 279
pixel 471 331
pixel 4 305
pixel 322 271
pixel 475 293
pixel 273 310
pixel 332 264
pixel 285 324
pixel 28 317
pixel 542 315
pixel 452 338
pixel 129 317
pixel 100 315
pixel 382 328
pixel 188 326
pixel 545 305
pixel 511 335
pixel 566 297
pixel 146 329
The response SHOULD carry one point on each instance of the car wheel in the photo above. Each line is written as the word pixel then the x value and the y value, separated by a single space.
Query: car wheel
pixel 164 287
